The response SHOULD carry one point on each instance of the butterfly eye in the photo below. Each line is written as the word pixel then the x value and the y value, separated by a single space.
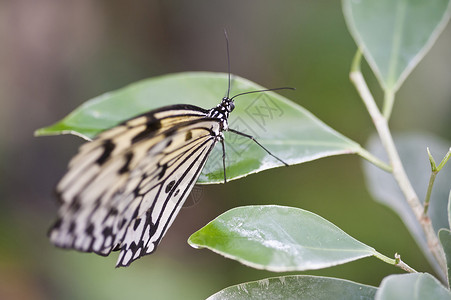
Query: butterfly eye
pixel 232 106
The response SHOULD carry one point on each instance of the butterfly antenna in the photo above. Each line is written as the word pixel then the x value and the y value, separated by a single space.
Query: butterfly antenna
pixel 228 60
pixel 260 91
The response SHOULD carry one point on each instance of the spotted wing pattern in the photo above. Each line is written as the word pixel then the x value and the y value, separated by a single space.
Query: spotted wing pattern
pixel 123 190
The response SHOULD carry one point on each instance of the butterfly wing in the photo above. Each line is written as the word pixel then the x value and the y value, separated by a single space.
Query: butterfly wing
pixel 123 190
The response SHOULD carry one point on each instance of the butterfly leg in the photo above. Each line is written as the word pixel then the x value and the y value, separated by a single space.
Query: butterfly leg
pixel 252 138
pixel 223 159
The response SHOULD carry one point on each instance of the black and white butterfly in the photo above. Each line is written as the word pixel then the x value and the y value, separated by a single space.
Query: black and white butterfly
pixel 124 189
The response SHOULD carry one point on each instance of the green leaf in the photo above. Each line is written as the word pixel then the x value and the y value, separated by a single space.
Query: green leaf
pixel 297 287
pixel 383 187
pixel 279 239
pixel 445 239
pixel 416 286
pixel 394 35
pixel 286 129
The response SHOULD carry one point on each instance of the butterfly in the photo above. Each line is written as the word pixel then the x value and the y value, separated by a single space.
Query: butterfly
pixel 123 190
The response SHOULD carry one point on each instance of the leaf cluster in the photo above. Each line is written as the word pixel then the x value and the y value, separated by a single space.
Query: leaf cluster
pixel 393 36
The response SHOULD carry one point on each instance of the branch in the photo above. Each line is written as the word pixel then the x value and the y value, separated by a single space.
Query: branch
pixel 434 172
pixel 380 122
pixel 397 262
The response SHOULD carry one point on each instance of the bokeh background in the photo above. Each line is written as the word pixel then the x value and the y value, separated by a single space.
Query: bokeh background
pixel 54 55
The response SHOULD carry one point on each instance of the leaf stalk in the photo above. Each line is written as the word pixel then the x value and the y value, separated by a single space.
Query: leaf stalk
pixel 397 262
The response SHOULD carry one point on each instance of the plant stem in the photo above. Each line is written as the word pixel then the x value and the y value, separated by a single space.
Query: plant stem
pixel 428 194
pixel 398 170
pixel 374 160
pixel 355 66
pixel 431 160
pixel 444 160
pixel 434 172
pixel 431 183
pixel 397 262
pixel 384 133
pixel 389 99
pixel 384 258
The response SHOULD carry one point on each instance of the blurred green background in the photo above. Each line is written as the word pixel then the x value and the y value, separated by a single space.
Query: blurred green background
pixel 54 55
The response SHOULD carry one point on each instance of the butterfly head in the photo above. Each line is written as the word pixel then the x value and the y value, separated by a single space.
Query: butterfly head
pixel 227 104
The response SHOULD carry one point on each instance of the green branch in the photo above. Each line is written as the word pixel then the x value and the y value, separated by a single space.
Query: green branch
pixel 397 262
pixel 434 172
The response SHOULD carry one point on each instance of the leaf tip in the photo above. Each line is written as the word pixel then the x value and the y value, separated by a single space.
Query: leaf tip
pixel 41 132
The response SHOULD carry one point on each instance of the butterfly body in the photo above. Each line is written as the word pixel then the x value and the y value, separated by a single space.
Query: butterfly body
pixel 222 112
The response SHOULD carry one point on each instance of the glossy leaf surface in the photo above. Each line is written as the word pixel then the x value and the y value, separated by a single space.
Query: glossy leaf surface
pixel 297 287
pixel 283 127
pixel 279 238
